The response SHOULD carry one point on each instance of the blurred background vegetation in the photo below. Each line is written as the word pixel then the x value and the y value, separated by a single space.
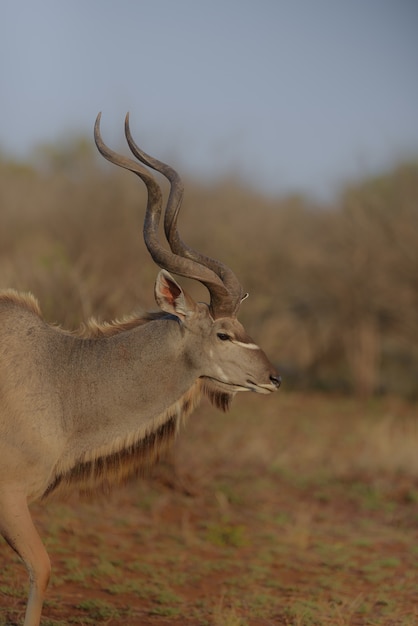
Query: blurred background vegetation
pixel 334 288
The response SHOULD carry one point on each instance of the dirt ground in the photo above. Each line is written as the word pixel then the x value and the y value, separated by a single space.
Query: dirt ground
pixel 296 511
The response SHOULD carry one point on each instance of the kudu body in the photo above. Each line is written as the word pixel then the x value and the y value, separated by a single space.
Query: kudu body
pixel 89 409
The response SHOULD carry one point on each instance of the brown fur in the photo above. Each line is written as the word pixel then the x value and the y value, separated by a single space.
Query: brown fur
pixel 135 457
pixel 24 300
pixel 89 330
pixel 222 400
pixel 93 328
pixel 118 467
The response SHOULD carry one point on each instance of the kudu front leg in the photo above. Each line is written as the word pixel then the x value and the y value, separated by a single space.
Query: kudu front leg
pixel 17 528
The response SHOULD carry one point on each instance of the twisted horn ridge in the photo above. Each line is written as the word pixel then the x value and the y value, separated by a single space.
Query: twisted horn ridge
pixel 170 220
pixel 225 291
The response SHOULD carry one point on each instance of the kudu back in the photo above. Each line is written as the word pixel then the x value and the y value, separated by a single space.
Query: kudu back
pixel 89 409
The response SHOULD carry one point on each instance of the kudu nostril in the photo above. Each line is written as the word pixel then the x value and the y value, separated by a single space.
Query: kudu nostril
pixel 276 380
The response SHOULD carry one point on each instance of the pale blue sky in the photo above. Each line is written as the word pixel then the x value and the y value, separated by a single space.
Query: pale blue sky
pixel 288 94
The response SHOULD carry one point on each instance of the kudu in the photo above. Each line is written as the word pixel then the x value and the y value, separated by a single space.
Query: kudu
pixel 90 408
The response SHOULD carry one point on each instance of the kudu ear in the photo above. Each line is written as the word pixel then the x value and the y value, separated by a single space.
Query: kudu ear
pixel 171 298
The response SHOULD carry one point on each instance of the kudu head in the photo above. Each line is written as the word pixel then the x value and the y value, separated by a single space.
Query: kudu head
pixel 213 340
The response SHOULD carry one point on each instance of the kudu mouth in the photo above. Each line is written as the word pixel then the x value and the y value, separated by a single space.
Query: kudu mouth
pixel 273 385
pixel 250 385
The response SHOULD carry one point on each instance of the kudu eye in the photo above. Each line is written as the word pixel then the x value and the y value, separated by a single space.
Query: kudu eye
pixel 223 336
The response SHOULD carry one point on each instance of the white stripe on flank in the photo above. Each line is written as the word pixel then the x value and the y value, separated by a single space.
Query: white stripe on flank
pixel 250 346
